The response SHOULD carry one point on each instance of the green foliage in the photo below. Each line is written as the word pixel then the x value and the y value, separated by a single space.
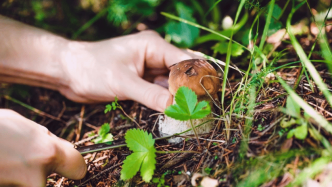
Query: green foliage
pixel 181 33
pixel 260 127
pixel 120 11
pixel 293 109
pixel 160 181
pixel 113 106
pixel 186 106
pixel 103 135
pixel 222 47
pixel 143 157
pixel 208 170
pixel 275 24
pixel 250 4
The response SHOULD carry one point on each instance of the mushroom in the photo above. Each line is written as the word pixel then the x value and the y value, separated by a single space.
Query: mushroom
pixel 199 76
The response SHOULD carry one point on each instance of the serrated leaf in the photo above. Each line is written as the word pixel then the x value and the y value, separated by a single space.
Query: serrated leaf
pixel 104 129
pixel 202 109
pixel 138 140
pixel 132 164
pixel 174 111
pixel 143 156
pixel 148 165
pixel 185 107
pixel 186 99
pixel 108 108
pixel 113 105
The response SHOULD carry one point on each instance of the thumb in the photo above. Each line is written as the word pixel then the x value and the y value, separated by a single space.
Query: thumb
pixel 70 162
pixel 151 95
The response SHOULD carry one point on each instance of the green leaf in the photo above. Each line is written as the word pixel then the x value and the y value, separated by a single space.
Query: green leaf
pixel 131 165
pixel 275 24
pixel 99 139
pixel 113 105
pixel 107 138
pixel 174 111
pixel 182 33
pixel 287 123
pixel 301 131
pixel 222 48
pixel 143 156
pixel 292 107
pixel 108 108
pixel 104 129
pixel 149 165
pixel 290 133
pixel 186 108
pixel 202 109
pixel 186 99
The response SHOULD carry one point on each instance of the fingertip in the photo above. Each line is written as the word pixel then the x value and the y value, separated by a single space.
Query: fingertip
pixel 164 101
pixel 71 164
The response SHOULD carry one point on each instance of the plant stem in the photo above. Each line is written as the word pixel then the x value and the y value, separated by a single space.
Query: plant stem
pixel 168 152
pixel 129 116
pixel 192 126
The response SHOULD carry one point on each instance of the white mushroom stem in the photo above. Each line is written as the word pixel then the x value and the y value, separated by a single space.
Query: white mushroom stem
pixel 170 126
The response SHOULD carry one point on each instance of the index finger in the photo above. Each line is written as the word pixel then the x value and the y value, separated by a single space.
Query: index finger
pixel 159 53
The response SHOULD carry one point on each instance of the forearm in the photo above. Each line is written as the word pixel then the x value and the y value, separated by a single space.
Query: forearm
pixel 29 55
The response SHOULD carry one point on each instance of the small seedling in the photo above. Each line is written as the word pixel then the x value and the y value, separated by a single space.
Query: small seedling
pixel 260 127
pixel 115 105
pixel 293 109
pixel 234 140
pixel 103 135
pixel 208 170
pixel 160 181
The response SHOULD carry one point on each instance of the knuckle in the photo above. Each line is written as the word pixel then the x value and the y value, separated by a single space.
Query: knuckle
pixel 149 33
pixel 50 153
pixel 150 95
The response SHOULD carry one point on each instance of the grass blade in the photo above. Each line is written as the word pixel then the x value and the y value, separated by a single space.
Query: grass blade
pixel 303 57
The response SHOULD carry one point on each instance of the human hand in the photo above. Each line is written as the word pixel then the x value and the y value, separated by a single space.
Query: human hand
pixel 29 152
pixel 99 71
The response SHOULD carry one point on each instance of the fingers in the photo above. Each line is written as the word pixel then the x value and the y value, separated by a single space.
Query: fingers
pixel 69 162
pixel 159 52
pixel 151 95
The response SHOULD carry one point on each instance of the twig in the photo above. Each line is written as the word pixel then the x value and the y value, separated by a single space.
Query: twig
pixel 80 123
pixel 323 110
pixel 86 140
pixel 61 180
pixel 32 108
pixel 102 172
pixel 129 117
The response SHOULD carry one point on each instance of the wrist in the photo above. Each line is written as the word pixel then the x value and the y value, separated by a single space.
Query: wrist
pixel 29 55
pixel 74 57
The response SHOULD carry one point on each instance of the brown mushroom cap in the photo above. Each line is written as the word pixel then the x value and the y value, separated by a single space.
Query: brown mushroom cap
pixel 191 73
